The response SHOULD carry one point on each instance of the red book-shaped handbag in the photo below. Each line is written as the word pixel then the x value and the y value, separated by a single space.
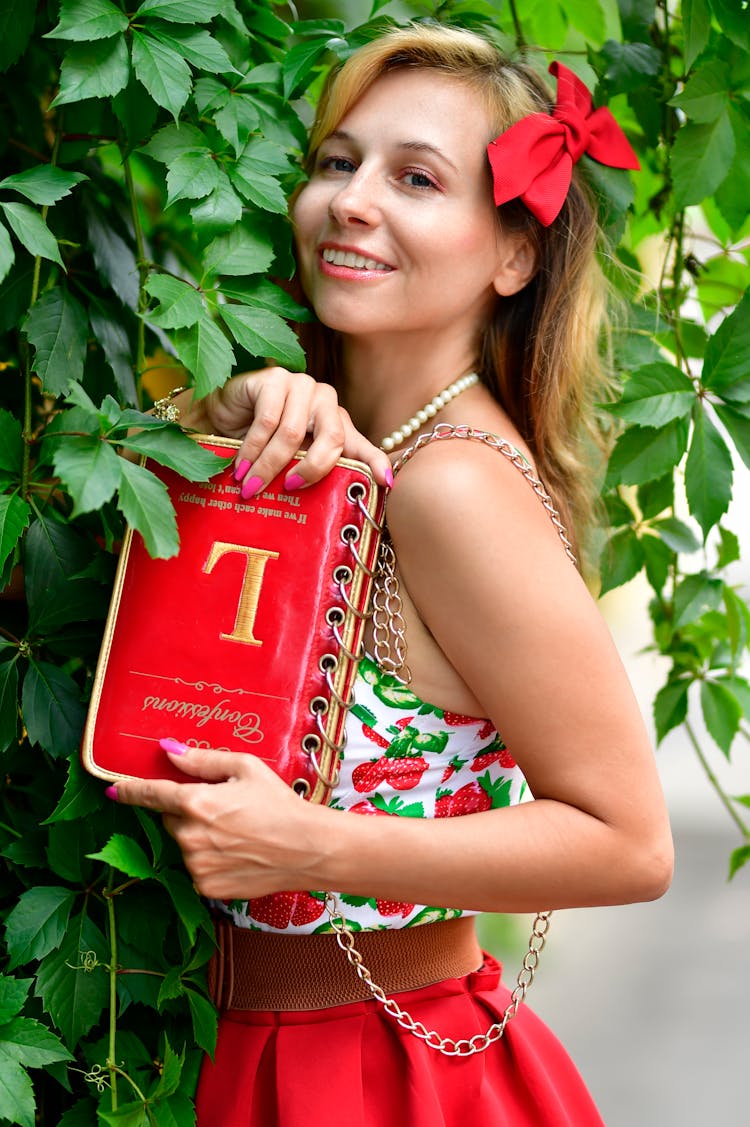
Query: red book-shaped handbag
pixel 248 639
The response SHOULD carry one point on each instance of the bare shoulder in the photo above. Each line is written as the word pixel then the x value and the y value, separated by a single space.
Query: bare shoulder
pixel 462 497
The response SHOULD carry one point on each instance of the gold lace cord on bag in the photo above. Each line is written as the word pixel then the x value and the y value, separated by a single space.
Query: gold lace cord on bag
pixel 390 654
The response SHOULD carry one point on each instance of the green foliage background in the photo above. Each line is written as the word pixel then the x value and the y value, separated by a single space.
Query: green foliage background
pixel 147 155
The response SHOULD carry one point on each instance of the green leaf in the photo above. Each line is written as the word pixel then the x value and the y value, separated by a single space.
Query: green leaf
pixel 725 368
pixel 109 330
pixel 622 558
pixel 90 470
pixel 654 395
pixel 31 230
pixel 81 795
pixel 260 189
pixel 36 925
pixel 43 184
pixel 297 63
pixel 701 157
pixel 678 536
pixel 195 45
pixel 263 294
pixel 240 252
pixel 670 707
pixel 188 904
pixel 72 982
pixel 656 496
pixel 721 713
pixel 206 353
pixel 58 329
pixel 192 176
pixel 172 447
pixel 17 1104
pixel 88 20
pixel 643 454
pixel 696 595
pixel 163 72
pixel 728 548
pixel 171 1072
pixel 181 305
pixel 705 95
pixel 133 1114
pixel 658 560
pixel 56 591
pixel 173 141
pixel 629 65
pixel 708 472
pixel 31 1044
pixel 181 11
pixel 204 1017
pixel 13 993
pixel 14 519
pixel 733 19
pixel 738 427
pixel 113 258
pixel 731 196
pixel 221 209
pixel 94 70
pixel 7 254
pixel 145 504
pixel 8 704
pixel 52 709
pixel 126 855
pixel 16 26
pixel 739 857
pixel 586 17
pixel 236 120
pixel 696 27
pixel 264 334
pixel 738 620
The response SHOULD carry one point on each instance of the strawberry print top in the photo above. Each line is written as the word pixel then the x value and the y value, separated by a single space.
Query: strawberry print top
pixel 403 758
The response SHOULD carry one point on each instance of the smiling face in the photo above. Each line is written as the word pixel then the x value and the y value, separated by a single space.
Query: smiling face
pixel 396 230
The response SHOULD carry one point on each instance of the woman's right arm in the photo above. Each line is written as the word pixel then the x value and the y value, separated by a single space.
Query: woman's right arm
pixel 273 411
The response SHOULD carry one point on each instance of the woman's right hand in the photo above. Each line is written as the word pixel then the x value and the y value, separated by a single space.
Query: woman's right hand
pixel 272 411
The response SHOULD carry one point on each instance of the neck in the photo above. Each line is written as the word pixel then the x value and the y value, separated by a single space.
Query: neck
pixel 385 382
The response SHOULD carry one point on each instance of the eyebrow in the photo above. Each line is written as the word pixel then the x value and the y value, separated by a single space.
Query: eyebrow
pixel 409 146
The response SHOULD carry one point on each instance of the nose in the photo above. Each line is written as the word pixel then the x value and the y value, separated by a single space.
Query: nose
pixel 357 201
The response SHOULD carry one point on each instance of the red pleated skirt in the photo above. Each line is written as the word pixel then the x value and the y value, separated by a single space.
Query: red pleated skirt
pixel 353 1064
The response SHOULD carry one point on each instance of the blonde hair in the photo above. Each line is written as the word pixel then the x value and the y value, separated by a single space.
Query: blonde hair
pixel 540 352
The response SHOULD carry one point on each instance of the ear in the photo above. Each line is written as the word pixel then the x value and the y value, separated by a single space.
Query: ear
pixel 516 264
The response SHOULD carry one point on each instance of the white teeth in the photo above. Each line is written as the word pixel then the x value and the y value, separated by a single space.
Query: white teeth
pixel 349 258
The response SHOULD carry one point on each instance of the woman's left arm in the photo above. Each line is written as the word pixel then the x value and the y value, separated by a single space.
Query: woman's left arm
pixel 513 617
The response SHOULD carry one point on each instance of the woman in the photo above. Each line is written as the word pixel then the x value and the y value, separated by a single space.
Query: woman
pixel 419 281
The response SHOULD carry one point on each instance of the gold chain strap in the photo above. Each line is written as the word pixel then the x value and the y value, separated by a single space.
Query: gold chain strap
pixel 449 1047
pixel 389 628
pixel 390 653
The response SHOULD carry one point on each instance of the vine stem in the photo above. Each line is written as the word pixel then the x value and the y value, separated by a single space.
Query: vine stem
pixel 27 389
pixel 112 1046
pixel 143 272
pixel 520 39
pixel 710 775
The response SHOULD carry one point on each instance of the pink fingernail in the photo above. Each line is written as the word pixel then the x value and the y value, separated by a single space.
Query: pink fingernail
pixel 250 487
pixel 389 478
pixel 111 792
pixel 294 481
pixel 241 469
pixel 174 747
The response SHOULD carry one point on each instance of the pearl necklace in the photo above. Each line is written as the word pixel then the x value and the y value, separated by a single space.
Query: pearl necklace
pixel 396 437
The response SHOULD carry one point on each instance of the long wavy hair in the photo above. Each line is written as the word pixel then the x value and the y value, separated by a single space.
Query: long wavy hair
pixel 540 353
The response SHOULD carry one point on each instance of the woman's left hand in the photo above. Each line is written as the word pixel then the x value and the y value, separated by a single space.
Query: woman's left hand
pixel 238 825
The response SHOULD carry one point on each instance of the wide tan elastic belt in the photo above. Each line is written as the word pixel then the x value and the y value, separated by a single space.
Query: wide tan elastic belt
pixel 257 970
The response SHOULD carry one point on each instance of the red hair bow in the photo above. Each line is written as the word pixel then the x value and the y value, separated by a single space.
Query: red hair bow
pixel 534 158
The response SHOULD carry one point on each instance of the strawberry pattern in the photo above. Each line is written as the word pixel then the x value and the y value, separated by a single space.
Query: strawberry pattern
pixel 404 758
